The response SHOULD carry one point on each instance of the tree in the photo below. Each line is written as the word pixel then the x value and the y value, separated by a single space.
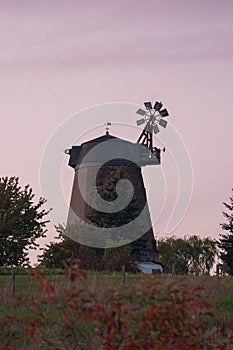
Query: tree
pixel 202 254
pixel 191 255
pixel 226 239
pixel 21 222
pixel 57 255
pixel 173 250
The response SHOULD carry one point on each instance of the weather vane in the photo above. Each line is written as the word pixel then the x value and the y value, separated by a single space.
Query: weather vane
pixel 107 127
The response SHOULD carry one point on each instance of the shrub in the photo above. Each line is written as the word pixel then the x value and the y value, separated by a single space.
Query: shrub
pixel 148 316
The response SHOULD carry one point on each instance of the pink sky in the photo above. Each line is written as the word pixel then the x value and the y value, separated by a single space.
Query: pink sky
pixel 58 57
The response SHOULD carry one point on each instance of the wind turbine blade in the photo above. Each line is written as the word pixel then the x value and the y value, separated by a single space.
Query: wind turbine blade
pixel 158 106
pixel 140 122
pixel 164 113
pixel 163 123
pixel 148 105
pixel 141 111
pixel 156 129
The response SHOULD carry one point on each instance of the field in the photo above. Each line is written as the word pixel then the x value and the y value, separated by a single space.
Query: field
pixel 98 312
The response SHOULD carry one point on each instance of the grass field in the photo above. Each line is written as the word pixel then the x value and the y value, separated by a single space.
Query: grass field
pixel 99 286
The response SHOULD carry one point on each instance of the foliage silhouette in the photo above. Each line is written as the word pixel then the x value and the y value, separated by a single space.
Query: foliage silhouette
pixel 226 239
pixel 21 222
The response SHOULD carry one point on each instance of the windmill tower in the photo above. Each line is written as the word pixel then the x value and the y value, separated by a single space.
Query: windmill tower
pixel 109 159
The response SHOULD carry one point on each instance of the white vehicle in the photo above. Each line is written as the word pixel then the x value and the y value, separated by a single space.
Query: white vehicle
pixel 150 267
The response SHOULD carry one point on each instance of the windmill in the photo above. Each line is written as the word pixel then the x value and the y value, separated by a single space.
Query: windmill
pixel 126 158
pixel 152 118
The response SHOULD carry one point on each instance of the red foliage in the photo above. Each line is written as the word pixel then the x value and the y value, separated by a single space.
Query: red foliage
pixel 47 288
pixel 147 318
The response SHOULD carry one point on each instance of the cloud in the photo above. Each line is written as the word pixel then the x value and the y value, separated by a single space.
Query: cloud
pixel 111 35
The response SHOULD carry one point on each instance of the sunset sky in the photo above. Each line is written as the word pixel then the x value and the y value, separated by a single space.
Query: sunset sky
pixel 59 57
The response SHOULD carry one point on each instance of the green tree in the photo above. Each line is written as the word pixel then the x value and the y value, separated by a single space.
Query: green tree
pixel 191 254
pixel 202 254
pixel 173 250
pixel 57 254
pixel 21 222
pixel 226 238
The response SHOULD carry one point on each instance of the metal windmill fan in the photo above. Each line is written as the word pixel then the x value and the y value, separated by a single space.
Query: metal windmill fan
pixel 152 117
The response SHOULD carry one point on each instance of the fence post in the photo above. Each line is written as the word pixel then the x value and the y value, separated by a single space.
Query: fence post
pixel 70 277
pixel 173 269
pixel 13 282
pixel 123 275
pixel 218 274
